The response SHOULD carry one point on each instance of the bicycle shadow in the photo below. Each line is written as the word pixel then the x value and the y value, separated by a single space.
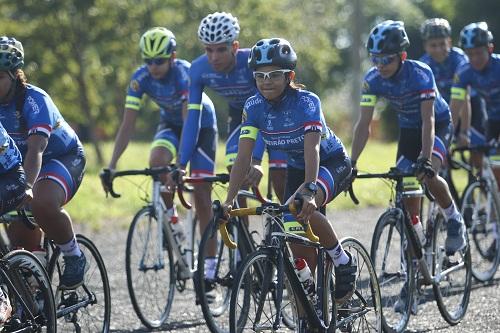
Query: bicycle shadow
pixel 176 325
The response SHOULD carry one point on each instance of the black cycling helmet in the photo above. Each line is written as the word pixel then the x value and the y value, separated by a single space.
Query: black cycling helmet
pixel 388 37
pixel 475 35
pixel 272 51
pixel 435 28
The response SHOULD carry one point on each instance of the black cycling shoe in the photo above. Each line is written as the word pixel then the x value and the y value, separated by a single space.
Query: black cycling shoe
pixel 345 280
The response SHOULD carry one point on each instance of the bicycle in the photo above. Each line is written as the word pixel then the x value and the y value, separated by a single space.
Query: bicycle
pixel 157 263
pixel 258 302
pixel 86 308
pixel 481 211
pixel 406 266
pixel 214 294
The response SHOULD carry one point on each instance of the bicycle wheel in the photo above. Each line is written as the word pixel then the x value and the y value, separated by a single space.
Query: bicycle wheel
pixel 393 265
pixel 34 291
pixel 452 290
pixel 150 269
pixel 481 214
pixel 87 308
pixel 253 298
pixel 214 293
pixel 363 312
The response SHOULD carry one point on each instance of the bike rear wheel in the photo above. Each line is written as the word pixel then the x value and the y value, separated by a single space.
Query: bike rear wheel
pixel 452 291
pixel 150 268
pixel 482 217
pixel 393 266
pixel 33 291
pixel 363 312
pixel 87 308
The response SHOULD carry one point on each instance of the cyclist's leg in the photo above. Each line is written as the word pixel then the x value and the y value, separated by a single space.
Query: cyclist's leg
pixel 478 129
pixel 163 151
pixel 277 166
pixel 493 133
pixel 203 164
pixel 57 183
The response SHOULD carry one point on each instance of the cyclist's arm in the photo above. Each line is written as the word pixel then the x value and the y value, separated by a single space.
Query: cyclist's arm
pixel 459 110
pixel 123 136
pixel 361 131
pixel 427 112
pixel 33 158
pixel 311 156
pixel 240 167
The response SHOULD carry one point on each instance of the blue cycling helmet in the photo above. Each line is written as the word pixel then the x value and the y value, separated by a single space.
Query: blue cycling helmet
pixel 475 35
pixel 272 51
pixel 388 37
pixel 11 54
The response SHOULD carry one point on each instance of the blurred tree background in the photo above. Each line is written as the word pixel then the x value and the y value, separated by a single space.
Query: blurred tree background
pixel 83 52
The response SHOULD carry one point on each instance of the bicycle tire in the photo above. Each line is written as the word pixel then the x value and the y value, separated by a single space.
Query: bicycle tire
pixel 34 279
pixel 253 288
pixel 481 213
pixel 152 290
pixel 95 315
pixel 367 296
pixel 215 302
pixel 452 301
pixel 392 320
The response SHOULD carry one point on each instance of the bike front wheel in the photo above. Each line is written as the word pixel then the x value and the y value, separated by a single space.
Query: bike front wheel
pixel 150 269
pixel 393 266
pixel 482 217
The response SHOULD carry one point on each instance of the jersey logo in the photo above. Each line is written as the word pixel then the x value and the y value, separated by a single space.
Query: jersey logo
pixel 244 116
pixel 134 85
pixel 456 78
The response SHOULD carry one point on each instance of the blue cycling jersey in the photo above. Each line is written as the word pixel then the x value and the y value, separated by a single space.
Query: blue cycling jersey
pixel 169 93
pixel 405 91
pixel 485 82
pixel 235 87
pixel 284 124
pixel 42 117
pixel 10 156
pixel 444 71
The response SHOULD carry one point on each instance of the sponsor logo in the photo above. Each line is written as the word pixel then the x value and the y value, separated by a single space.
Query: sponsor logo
pixel 134 85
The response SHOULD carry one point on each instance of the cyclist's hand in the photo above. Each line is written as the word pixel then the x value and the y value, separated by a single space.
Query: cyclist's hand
pixel 424 168
pixel 106 176
pixel 308 208
pixel 174 178
pixel 254 175
pixel 226 208
pixel 28 196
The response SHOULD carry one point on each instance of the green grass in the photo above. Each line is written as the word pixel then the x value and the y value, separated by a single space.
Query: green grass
pixel 90 206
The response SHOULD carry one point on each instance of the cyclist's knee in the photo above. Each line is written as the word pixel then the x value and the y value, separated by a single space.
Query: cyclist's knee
pixel 160 157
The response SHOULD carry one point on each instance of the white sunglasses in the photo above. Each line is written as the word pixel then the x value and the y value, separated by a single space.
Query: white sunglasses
pixel 272 75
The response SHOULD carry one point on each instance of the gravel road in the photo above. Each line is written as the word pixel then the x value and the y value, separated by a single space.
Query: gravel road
pixel 482 316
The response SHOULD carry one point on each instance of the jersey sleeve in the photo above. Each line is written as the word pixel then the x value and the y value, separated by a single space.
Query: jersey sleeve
pixel 424 82
pixel 249 121
pixel 312 111
pixel 460 83
pixel 368 94
pixel 37 112
pixel 183 83
pixel 134 93
pixel 192 124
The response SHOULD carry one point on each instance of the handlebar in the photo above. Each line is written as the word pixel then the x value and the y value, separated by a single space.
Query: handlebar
pixel 107 178
pixel 293 207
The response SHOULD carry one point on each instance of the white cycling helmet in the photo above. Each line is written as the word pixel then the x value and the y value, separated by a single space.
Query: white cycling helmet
pixel 218 28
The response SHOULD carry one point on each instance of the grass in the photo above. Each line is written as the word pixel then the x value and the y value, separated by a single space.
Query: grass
pixel 90 206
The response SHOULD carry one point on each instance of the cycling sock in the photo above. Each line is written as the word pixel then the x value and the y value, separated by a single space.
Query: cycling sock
pixel 338 255
pixel 70 248
pixel 210 264
pixel 452 212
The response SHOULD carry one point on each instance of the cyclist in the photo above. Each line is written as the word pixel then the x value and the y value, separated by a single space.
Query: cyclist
pixel 444 60
pixel 53 159
pixel 424 119
pixel 290 119
pixel 482 73
pixel 164 78
pixel 224 69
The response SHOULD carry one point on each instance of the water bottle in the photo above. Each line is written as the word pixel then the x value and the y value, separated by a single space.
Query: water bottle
pixel 417 226
pixel 306 279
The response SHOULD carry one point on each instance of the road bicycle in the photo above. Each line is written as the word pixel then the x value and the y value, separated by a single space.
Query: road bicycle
pixel 405 267
pixel 267 294
pixel 86 308
pixel 157 264
pixel 481 211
